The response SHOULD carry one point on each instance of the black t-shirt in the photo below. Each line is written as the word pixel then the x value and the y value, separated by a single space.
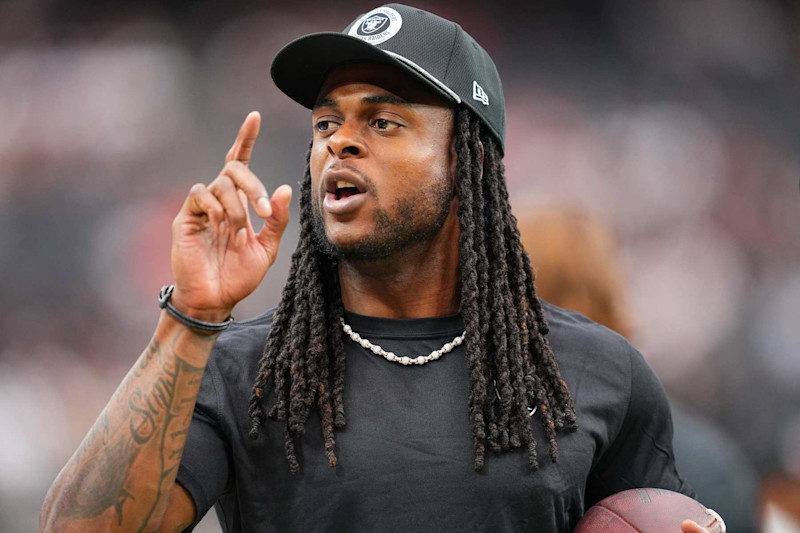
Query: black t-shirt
pixel 405 455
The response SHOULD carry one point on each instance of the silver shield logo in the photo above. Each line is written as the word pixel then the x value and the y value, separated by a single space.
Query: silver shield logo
pixel 374 24
pixel 377 26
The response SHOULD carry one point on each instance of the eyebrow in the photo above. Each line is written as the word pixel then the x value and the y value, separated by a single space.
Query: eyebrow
pixel 384 99
pixel 325 102
pixel 376 99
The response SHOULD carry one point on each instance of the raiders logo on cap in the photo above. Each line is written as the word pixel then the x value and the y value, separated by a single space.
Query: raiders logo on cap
pixel 435 51
pixel 377 26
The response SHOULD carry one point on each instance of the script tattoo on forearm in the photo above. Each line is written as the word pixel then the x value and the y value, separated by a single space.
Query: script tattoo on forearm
pixel 174 428
pixel 158 410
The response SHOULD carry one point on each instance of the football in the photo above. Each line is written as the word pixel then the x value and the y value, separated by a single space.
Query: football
pixel 647 510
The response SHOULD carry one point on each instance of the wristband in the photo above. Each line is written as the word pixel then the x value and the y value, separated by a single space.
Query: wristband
pixel 164 302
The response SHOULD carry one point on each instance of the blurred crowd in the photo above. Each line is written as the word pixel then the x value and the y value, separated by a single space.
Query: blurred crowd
pixel 674 123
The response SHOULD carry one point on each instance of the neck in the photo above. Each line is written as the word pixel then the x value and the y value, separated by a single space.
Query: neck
pixel 418 282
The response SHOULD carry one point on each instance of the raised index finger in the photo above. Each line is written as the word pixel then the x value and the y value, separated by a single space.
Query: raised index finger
pixel 248 183
pixel 242 147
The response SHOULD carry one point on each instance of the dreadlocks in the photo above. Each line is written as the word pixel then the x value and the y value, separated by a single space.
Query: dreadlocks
pixel 511 365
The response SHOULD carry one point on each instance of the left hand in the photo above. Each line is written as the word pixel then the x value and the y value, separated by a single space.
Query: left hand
pixel 690 526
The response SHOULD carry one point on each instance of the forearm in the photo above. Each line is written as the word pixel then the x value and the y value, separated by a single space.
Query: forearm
pixel 121 475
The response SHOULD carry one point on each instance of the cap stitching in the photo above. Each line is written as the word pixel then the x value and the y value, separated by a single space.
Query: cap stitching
pixel 430 77
pixel 452 50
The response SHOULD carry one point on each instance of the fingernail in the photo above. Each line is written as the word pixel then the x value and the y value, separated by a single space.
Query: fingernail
pixel 241 237
pixel 264 206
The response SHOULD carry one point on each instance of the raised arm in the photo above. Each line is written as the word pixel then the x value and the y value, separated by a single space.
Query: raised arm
pixel 122 476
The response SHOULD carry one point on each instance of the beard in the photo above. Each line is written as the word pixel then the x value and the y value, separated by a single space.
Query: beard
pixel 412 220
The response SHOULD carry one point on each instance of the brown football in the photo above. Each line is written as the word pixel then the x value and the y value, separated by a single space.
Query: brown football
pixel 646 511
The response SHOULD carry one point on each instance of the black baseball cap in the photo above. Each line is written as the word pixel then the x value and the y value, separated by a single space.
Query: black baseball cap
pixel 436 51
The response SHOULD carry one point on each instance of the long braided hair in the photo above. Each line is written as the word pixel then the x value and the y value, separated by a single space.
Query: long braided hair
pixel 511 365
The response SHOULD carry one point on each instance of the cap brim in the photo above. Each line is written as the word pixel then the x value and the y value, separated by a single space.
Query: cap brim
pixel 300 68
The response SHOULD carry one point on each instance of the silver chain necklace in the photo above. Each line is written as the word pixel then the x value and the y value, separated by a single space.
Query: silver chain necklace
pixel 404 359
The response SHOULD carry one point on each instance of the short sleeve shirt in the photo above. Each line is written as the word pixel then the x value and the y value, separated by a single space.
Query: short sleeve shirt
pixel 405 454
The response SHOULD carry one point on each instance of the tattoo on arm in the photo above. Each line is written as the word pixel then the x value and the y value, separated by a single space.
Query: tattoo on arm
pixel 99 478
pixel 158 413
pixel 173 431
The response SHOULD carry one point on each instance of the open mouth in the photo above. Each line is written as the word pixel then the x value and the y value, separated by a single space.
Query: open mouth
pixel 344 197
pixel 342 189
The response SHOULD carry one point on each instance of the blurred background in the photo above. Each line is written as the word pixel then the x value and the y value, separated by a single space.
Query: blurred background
pixel 674 123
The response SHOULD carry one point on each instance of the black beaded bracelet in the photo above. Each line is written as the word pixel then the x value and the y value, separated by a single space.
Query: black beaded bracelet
pixel 164 298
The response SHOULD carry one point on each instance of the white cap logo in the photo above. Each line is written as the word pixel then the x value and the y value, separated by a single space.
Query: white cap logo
pixel 377 26
pixel 479 94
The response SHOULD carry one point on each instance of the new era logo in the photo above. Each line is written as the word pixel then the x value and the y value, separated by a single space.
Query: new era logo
pixel 479 94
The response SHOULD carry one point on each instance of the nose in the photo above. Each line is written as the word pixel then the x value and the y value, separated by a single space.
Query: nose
pixel 346 142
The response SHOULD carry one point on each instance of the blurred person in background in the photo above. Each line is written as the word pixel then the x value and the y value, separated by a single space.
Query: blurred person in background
pixel 577 265
pixel 124 474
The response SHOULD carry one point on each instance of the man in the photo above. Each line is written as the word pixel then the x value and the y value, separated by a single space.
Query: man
pixel 410 308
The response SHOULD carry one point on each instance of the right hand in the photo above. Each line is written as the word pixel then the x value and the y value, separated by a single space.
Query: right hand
pixel 217 258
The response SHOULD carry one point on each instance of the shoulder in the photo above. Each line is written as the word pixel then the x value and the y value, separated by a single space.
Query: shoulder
pixel 575 337
pixel 596 361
